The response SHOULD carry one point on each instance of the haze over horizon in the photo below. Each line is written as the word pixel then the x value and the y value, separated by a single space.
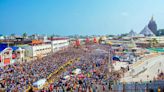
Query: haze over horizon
pixel 83 17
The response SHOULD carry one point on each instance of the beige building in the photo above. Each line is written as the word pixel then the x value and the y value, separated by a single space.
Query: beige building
pixel 38 50
pixel 146 41
pixel 59 44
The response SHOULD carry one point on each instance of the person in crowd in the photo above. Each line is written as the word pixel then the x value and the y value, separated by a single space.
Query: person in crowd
pixel 92 63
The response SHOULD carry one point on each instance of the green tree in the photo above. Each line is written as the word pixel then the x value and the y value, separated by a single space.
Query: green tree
pixel 12 35
pixel 123 35
pixel 5 37
pixel 160 32
pixel 153 42
pixel 52 36
pixel 110 35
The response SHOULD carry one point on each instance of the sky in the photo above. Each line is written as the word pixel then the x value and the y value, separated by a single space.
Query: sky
pixel 83 17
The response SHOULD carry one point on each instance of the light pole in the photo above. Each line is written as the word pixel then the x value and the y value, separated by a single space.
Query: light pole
pixel 110 64
pixel 110 58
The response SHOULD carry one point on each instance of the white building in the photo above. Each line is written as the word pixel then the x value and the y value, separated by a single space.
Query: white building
pixel 38 50
pixel 6 57
pixel 160 39
pixel 59 44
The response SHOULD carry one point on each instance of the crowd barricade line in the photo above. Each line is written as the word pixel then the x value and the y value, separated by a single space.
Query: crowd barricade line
pixel 29 87
pixel 49 80
pixel 68 63
pixel 61 69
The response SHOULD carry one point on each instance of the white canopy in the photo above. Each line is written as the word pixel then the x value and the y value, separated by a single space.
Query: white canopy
pixel 77 71
pixel 39 83
pixel 67 77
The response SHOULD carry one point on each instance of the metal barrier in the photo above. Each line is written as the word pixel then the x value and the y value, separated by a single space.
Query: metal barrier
pixel 51 78
pixel 156 86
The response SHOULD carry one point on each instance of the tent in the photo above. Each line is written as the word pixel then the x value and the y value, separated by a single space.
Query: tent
pixel 39 84
pixel 76 71
pixel 67 77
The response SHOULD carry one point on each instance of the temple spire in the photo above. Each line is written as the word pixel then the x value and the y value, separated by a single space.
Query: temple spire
pixel 152 18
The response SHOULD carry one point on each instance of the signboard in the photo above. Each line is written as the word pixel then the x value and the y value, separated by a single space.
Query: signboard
pixel 6 61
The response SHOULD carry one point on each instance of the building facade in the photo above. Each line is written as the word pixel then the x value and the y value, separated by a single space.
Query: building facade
pixel 10 54
pixel 59 44
pixel 37 50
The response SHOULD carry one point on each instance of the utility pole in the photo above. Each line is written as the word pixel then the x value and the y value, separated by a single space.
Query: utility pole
pixel 110 59
pixel 110 65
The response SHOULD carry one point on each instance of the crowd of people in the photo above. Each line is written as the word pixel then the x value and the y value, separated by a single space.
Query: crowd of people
pixel 19 76
pixel 93 77
pixel 93 64
pixel 160 76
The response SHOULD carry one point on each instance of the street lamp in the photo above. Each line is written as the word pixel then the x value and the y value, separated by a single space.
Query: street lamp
pixel 110 65
pixel 110 56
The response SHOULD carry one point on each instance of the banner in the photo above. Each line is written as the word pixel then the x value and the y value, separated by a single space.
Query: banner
pixel 6 61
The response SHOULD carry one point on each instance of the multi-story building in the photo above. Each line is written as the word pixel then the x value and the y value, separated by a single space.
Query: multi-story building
pixel 59 43
pixel 37 49
pixel 146 41
pixel 31 49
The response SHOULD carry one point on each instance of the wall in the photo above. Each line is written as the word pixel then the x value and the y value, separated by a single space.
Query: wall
pixel 59 44
pixel 41 49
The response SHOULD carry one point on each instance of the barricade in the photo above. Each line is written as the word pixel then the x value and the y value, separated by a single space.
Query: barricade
pixel 56 72
pixel 156 86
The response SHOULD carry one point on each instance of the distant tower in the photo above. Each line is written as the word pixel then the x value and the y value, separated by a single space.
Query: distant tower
pixel 132 33
pixel 152 26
